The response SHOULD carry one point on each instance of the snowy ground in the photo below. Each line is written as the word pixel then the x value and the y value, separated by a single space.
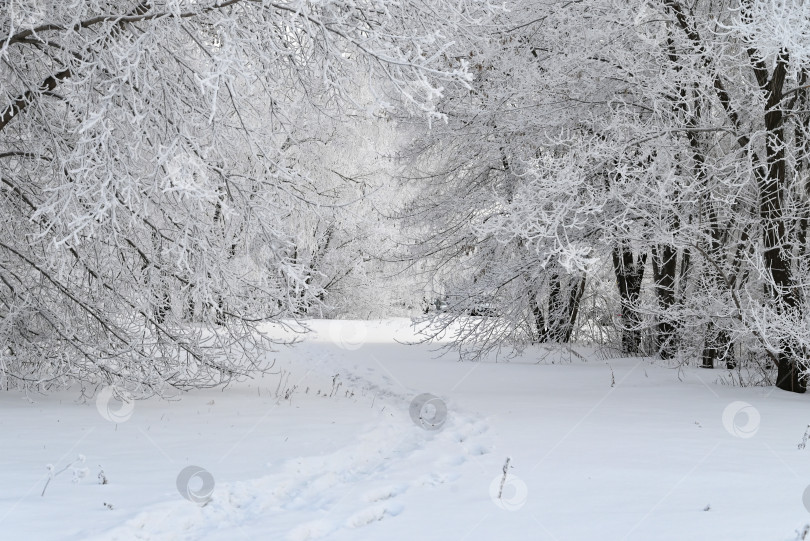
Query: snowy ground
pixel 599 450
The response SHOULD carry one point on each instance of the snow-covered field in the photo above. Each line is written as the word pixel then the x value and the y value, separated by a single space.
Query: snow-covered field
pixel 326 448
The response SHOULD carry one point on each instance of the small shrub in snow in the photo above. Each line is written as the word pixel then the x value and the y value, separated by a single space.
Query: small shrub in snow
pixel 79 472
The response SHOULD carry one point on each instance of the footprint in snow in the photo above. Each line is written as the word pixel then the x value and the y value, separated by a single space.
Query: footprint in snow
pixel 373 514
pixel 478 450
pixel 384 493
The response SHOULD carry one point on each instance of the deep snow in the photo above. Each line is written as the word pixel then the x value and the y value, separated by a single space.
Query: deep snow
pixel 599 450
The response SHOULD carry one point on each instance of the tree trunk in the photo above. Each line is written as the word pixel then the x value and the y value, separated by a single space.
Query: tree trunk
pixel 788 372
pixel 717 344
pixel 563 309
pixel 538 319
pixel 575 293
pixel 629 271
pixel 718 348
pixel 771 197
pixel 555 308
pixel 665 266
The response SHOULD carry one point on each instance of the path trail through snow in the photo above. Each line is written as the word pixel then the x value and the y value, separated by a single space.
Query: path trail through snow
pixel 325 448
pixel 330 495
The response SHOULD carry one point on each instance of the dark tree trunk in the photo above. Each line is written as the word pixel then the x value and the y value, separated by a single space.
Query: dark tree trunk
pixel 158 286
pixel 629 271
pixel 191 306
pixel 771 197
pixel 788 372
pixel 718 348
pixel 717 345
pixel 802 126
pixel 665 267
pixel 563 309
pixel 163 306
pixel 538 319
pixel 219 304
pixel 555 308
pixel 575 293
pixel 683 275
pixel 789 376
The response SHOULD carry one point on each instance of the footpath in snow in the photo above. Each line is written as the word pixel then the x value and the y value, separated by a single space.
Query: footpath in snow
pixel 331 446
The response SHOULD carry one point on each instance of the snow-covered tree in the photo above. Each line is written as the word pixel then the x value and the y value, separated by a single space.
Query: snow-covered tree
pixel 152 175
pixel 669 140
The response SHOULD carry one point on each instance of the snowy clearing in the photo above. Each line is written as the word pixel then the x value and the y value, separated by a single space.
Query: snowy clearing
pixel 599 450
